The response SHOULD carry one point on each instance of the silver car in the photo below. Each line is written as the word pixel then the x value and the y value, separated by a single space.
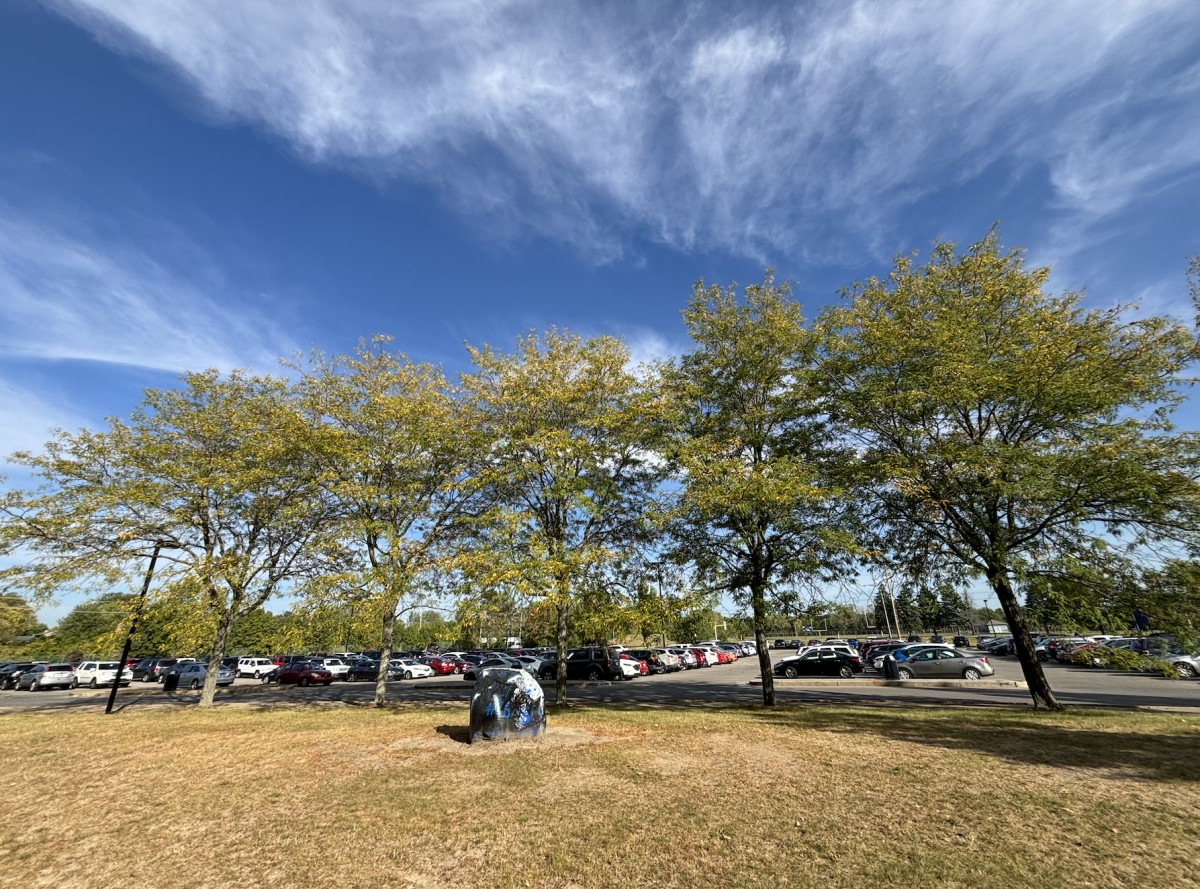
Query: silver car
pixel 192 675
pixel 942 663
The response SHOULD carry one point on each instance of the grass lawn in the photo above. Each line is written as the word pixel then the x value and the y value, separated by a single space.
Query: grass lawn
pixel 346 797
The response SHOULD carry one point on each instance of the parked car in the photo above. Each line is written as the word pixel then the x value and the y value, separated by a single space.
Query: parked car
pixel 94 674
pixel 47 676
pixel 961 642
pixel 593 664
pixel 304 674
pixel 335 665
pixel 817 662
pixel 369 670
pixel 413 669
pixel 153 669
pixel 11 673
pixel 944 663
pixel 937 637
pixel 491 663
pixel 914 638
pixel 192 675
pixel 254 667
pixel 653 660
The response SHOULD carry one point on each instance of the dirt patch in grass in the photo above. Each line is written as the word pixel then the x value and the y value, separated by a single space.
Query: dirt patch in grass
pixel 356 797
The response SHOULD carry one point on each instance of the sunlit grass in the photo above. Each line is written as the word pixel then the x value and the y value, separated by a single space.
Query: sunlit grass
pixel 351 797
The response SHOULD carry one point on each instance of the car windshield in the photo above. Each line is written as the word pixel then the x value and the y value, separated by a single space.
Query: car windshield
pixel 59 668
pixel 107 666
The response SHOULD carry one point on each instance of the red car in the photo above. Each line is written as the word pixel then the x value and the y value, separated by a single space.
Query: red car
pixel 701 659
pixel 643 667
pixel 304 674
pixel 441 665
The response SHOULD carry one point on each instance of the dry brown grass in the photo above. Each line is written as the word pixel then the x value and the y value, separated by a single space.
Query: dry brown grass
pixel 351 797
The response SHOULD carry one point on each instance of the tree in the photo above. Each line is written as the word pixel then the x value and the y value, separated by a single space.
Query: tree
pixel 392 448
pixel 569 465
pixel 17 618
pixel 759 504
pixel 1000 426
pixel 214 472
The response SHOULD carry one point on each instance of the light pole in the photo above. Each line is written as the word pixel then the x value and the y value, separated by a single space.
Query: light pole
pixel 137 615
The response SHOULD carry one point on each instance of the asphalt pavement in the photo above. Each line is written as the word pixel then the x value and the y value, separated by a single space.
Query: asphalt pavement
pixel 718 685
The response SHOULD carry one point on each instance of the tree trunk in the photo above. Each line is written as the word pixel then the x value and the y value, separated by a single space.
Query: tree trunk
pixel 385 656
pixel 560 679
pixel 1035 678
pixel 224 630
pixel 759 604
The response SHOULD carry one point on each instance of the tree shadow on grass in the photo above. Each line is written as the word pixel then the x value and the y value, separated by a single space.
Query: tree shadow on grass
pixel 1055 741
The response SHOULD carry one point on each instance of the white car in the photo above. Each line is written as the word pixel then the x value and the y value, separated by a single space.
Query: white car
pixel 255 667
pixel 629 666
pixel 93 674
pixel 670 659
pixel 335 665
pixel 412 669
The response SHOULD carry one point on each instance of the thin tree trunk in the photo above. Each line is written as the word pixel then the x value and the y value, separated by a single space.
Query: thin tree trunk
pixel 560 679
pixel 385 655
pixel 1035 678
pixel 224 630
pixel 759 604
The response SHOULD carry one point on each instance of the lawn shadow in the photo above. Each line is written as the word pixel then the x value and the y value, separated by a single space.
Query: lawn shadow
pixel 1055 741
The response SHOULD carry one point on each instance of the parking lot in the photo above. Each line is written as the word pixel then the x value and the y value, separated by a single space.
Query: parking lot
pixel 724 684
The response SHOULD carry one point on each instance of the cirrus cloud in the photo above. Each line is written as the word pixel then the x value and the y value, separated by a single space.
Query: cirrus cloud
pixel 750 129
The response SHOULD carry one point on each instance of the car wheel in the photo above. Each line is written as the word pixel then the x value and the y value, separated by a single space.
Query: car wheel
pixel 905 673
pixel 408 674
pixel 593 674
pixel 846 673
pixel 145 677
pixel 790 672
pixel 1187 671
pixel 971 673
pixel 256 674
pixel 91 684
pixel 195 684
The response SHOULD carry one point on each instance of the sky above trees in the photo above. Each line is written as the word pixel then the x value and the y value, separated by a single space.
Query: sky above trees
pixel 200 185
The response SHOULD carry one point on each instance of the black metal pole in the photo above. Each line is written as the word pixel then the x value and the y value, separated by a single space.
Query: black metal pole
pixel 137 615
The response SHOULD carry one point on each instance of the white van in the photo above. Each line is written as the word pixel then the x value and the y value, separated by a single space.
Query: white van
pixel 256 667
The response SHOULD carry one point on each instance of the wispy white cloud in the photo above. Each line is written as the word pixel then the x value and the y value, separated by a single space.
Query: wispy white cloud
pixel 751 129
pixel 69 292
pixel 26 419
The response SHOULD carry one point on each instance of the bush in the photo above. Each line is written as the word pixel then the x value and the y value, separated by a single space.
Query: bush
pixel 1123 659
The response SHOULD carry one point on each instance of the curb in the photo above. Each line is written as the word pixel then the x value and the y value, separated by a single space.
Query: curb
pixel 897 683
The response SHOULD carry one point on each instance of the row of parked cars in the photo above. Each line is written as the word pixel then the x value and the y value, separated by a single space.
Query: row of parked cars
pixel 914 660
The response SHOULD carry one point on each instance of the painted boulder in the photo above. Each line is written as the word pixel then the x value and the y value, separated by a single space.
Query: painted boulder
pixel 507 704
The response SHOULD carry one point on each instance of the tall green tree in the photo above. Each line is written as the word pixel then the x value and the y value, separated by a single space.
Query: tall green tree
pixel 213 472
pixel 17 617
pixel 759 504
pixel 569 465
pixel 1000 426
pixel 393 448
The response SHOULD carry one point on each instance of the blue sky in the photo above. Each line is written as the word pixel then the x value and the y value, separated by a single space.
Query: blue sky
pixel 194 184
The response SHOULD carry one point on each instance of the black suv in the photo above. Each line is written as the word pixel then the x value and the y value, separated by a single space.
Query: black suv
pixel 12 672
pixel 961 642
pixel 593 664
pixel 151 669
